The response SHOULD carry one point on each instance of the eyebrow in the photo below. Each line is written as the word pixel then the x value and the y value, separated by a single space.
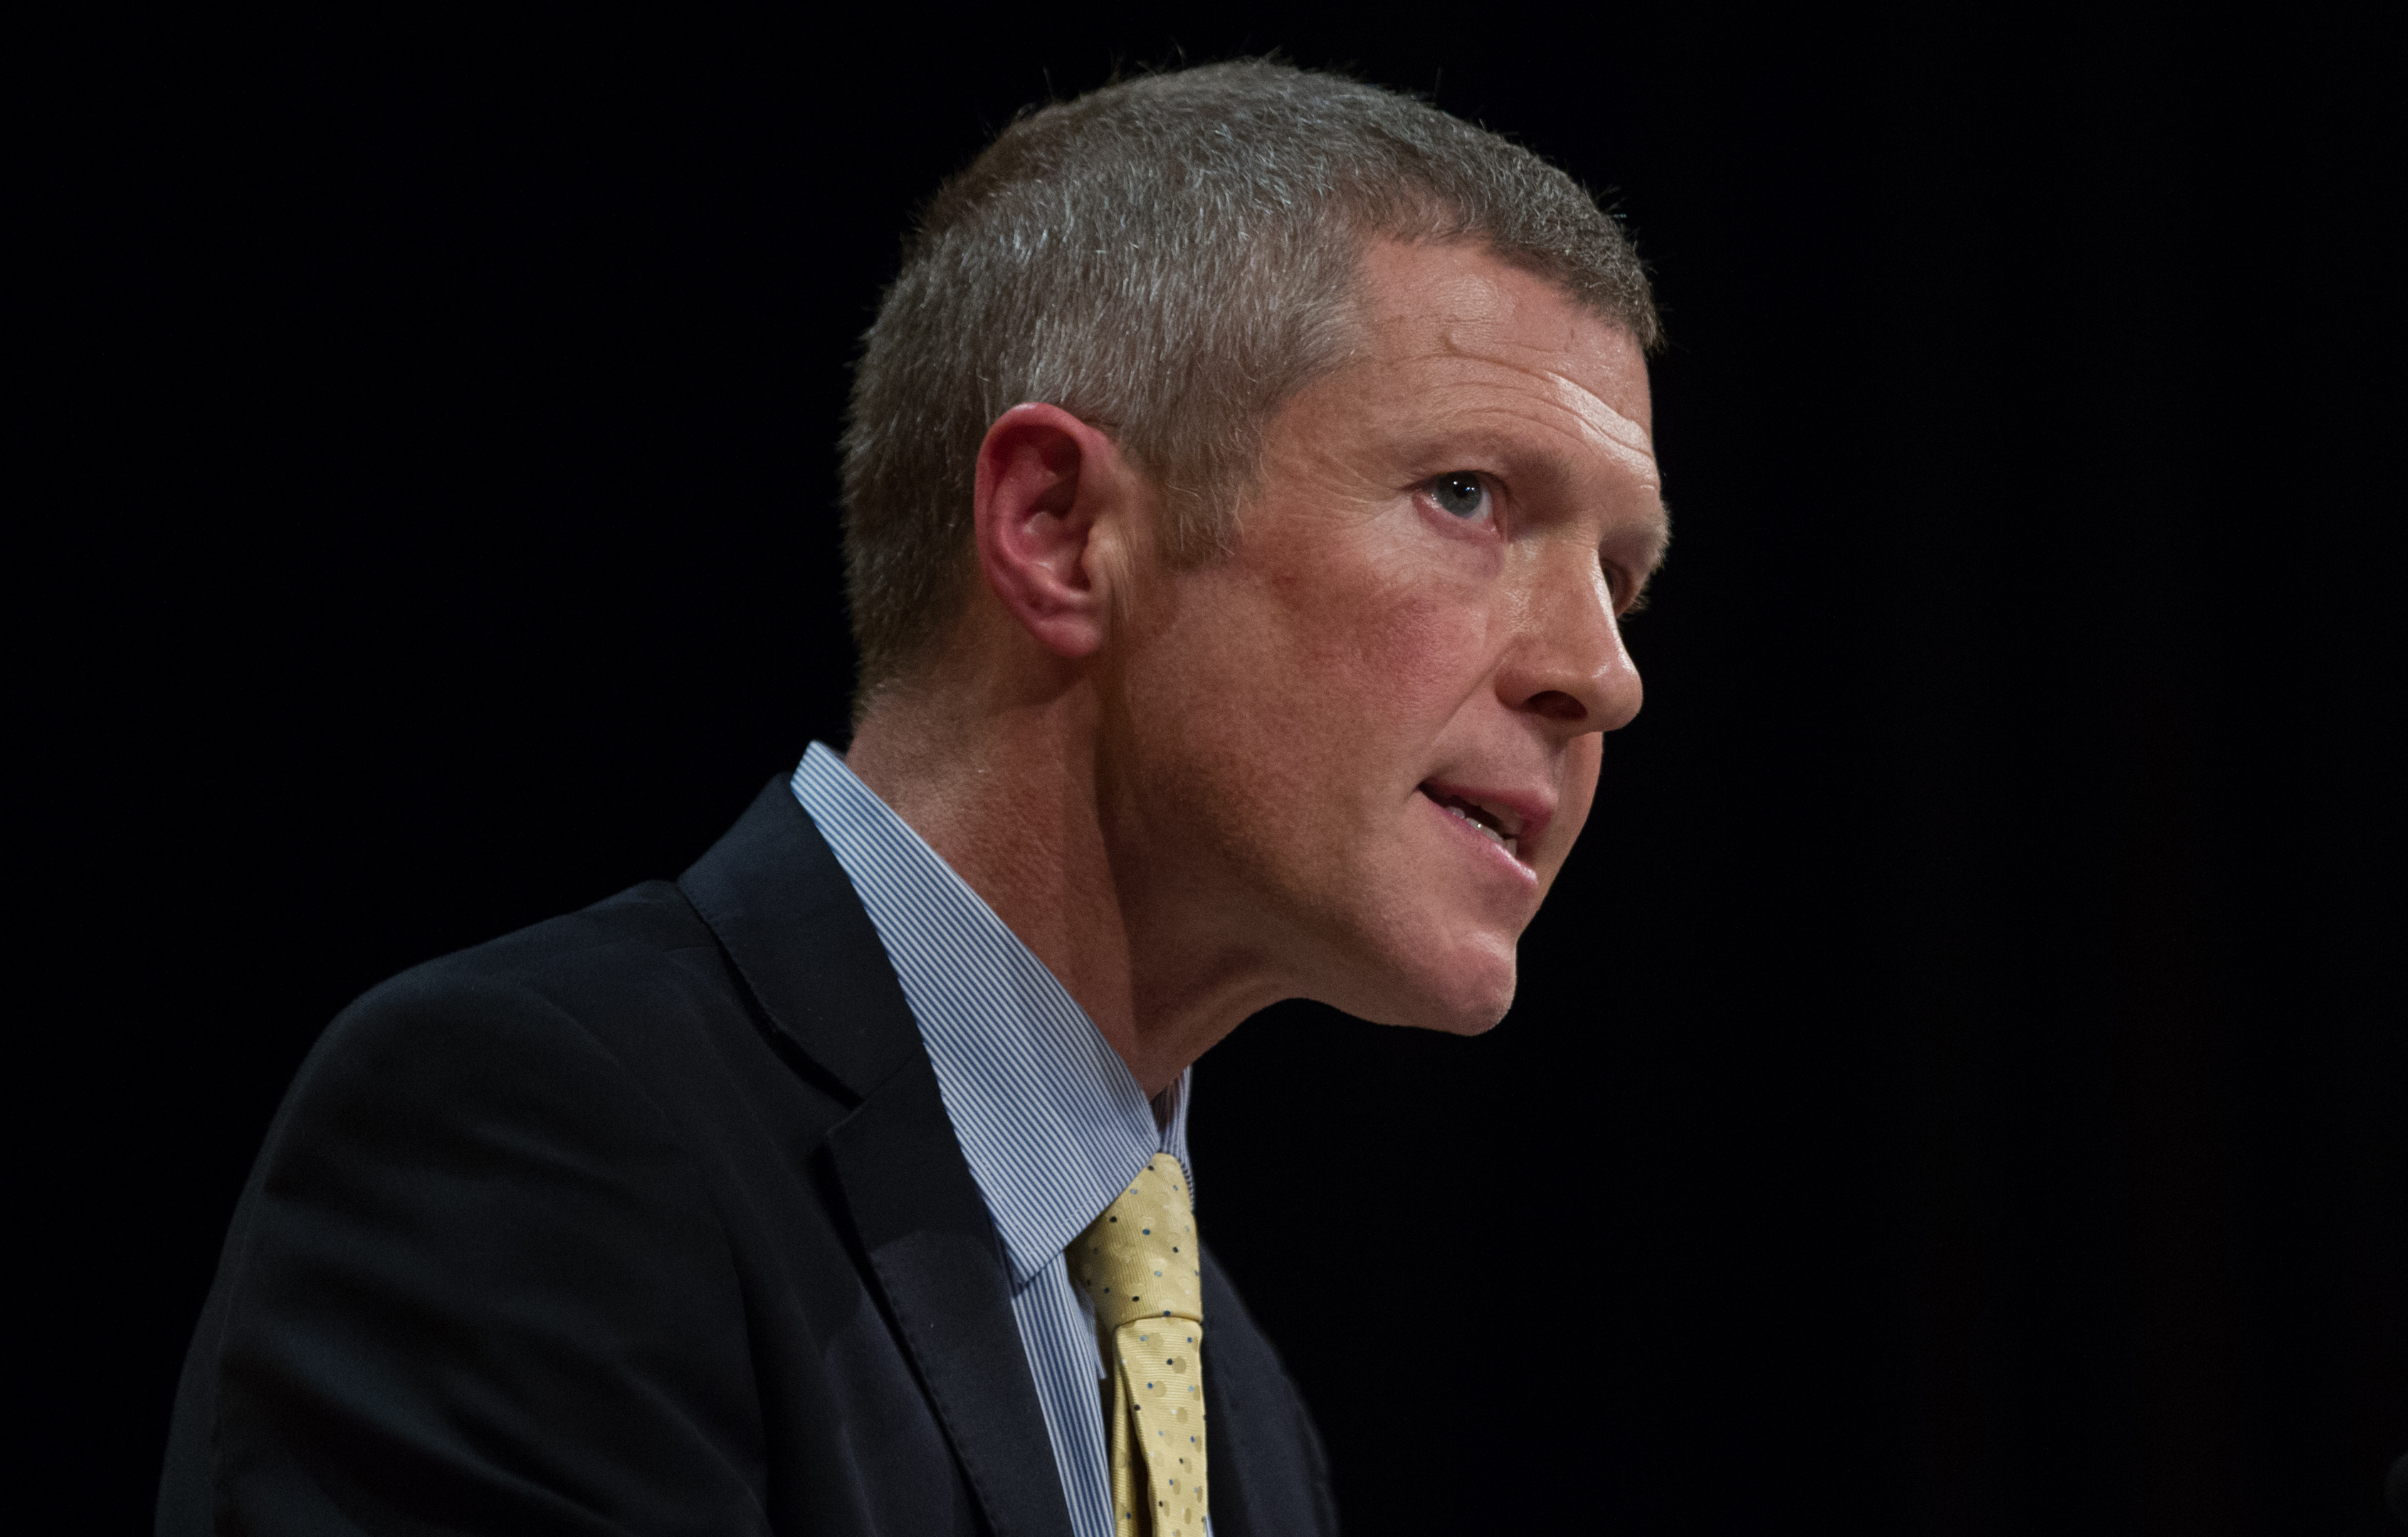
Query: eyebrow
pixel 1563 472
pixel 1659 543
pixel 1659 550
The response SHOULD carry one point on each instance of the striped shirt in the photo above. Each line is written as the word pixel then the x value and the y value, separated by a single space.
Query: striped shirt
pixel 1050 1121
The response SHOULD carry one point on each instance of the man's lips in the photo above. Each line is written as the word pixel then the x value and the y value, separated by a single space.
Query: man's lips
pixel 1508 820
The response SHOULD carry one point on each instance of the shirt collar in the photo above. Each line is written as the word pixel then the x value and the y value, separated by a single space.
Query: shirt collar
pixel 1051 1120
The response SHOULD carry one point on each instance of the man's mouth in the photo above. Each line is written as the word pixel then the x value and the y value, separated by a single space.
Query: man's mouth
pixel 1499 824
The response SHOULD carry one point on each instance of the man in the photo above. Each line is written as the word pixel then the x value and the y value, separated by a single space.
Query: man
pixel 1245 478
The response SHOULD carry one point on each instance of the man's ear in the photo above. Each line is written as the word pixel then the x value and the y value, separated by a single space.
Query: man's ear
pixel 1055 502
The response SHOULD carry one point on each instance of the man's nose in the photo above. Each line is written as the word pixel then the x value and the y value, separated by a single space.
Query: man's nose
pixel 1566 662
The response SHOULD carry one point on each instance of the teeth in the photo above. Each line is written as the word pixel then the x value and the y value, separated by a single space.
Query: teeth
pixel 1481 828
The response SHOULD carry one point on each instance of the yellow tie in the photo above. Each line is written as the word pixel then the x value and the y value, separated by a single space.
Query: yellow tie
pixel 1139 1262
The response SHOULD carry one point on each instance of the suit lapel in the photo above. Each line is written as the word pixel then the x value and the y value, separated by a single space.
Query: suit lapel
pixel 933 1248
pixel 779 903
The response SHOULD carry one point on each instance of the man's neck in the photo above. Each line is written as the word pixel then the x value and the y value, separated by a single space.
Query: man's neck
pixel 1003 785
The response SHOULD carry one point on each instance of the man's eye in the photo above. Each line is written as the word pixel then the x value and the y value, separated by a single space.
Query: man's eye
pixel 1461 495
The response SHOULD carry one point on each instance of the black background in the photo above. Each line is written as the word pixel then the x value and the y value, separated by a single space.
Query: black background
pixel 1957 1086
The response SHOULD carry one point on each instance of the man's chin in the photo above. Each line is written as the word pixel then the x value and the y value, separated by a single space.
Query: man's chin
pixel 1465 1022
pixel 1463 993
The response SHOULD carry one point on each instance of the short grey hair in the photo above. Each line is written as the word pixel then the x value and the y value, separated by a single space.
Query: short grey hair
pixel 1170 259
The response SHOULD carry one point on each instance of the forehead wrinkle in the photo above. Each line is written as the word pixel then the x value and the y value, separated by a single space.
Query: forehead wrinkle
pixel 1626 438
pixel 1484 339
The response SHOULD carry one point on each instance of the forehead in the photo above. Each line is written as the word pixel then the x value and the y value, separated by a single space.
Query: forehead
pixel 1452 341
pixel 1429 304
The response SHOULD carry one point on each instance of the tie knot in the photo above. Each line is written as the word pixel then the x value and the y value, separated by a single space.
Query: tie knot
pixel 1140 1260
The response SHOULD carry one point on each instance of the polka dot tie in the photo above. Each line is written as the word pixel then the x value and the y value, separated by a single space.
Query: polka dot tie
pixel 1139 1263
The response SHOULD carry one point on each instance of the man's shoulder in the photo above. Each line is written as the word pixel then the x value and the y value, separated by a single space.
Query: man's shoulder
pixel 629 963
pixel 593 963
pixel 756 972
pixel 520 1197
pixel 634 990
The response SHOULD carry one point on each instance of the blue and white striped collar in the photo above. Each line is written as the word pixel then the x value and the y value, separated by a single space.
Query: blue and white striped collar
pixel 1051 1120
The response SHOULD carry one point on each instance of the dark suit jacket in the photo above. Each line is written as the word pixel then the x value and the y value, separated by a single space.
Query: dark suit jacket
pixel 649 1219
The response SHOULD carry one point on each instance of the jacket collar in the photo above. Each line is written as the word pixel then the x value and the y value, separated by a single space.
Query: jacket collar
pixel 773 894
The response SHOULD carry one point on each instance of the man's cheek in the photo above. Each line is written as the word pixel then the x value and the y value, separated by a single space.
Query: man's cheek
pixel 1418 655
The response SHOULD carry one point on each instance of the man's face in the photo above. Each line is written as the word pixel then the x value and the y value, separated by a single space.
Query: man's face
pixel 1356 751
